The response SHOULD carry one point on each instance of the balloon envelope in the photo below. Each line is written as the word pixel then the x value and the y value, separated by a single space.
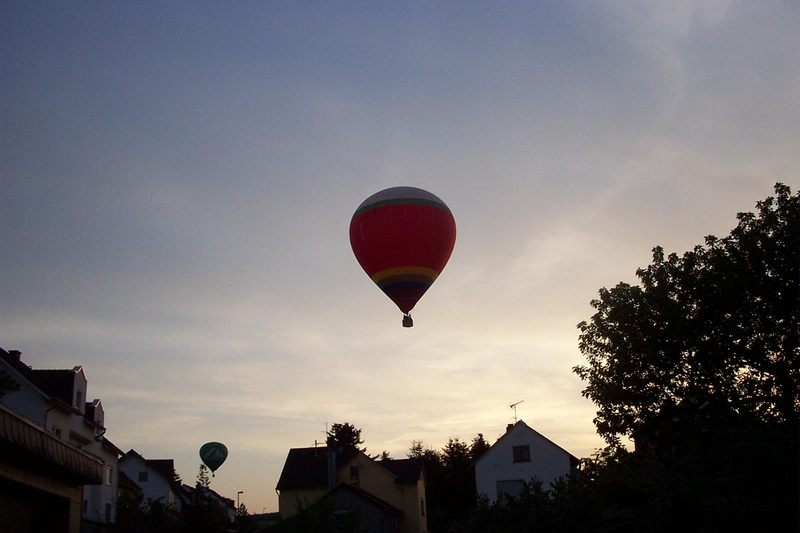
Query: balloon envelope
pixel 403 238
pixel 213 454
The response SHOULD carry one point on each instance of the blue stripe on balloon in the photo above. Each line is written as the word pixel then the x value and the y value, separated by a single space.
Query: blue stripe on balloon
pixel 404 285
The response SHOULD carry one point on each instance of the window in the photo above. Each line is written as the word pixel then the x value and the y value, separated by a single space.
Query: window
pixel 512 488
pixel 78 399
pixel 422 506
pixel 85 507
pixel 107 476
pixel 354 473
pixel 142 476
pixel 522 454
pixel 58 433
pixel 344 520
pixel 108 512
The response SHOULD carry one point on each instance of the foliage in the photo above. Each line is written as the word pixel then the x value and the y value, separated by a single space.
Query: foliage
pixel 533 510
pixel 458 479
pixel 153 516
pixel 204 514
pixel 450 476
pixel 202 477
pixel 131 518
pixel 317 518
pixel 7 384
pixel 714 327
pixel 346 434
pixel 176 479
pixel 477 447
pixel 699 365
pixel 618 491
pixel 244 522
pixel 383 457
pixel 432 463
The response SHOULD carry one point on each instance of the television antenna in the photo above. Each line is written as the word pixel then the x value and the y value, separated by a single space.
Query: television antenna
pixel 514 407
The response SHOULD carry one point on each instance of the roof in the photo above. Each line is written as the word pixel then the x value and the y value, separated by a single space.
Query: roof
pixel 227 502
pixel 59 382
pixel 385 507
pixel 190 493
pixel 308 467
pixel 107 444
pixel 12 359
pixel 57 385
pixel 131 453
pixel 165 467
pixel 406 470
pixel 573 459
pixel 90 411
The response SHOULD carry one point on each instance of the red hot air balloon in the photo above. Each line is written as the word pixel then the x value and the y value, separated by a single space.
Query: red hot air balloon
pixel 403 237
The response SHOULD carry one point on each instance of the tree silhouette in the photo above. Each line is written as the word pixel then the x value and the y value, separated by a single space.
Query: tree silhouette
pixel 699 365
pixel 477 447
pixel 7 384
pixel 202 477
pixel 716 328
pixel 346 434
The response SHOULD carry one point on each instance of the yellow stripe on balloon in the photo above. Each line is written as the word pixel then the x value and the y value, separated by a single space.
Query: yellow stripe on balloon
pixel 405 271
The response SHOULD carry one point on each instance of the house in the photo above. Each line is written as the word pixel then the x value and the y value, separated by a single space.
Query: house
pixel 521 455
pixel 82 424
pixel 199 495
pixel 388 493
pixel 155 477
pixel 41 477
pixel 55 401
pixel 348 508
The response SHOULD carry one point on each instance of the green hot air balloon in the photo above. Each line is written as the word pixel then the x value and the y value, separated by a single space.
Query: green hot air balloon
pixel 213 454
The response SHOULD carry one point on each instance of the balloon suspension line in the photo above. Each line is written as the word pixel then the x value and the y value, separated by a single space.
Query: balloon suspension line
pixel 407 321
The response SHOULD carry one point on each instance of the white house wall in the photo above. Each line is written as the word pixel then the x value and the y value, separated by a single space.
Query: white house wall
pixel 548 462
pixel 156 488
pixel 28 401
pixel 99 496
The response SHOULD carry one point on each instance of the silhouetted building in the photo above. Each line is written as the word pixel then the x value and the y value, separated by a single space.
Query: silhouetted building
pixel 55 402
pixel 389 494
pixel 155 477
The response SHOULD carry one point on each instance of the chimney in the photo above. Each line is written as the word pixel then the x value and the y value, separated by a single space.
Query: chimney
pixel 509 427
pixel 330 452
pixel 15 355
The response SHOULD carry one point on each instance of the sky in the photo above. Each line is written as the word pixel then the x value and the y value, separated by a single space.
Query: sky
pixel 178 180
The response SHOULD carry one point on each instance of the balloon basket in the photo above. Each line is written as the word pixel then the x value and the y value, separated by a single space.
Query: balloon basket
pixel 407 321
